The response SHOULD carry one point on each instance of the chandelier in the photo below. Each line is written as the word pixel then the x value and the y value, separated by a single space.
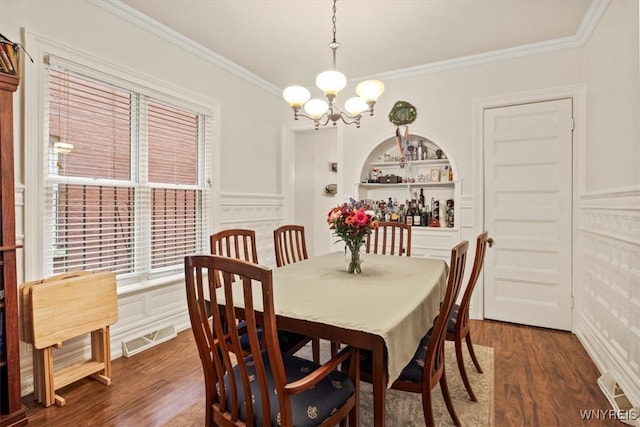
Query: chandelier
pixel 331 82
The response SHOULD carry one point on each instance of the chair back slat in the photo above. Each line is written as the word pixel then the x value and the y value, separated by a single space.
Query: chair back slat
pixel 390 237
pixel 434 359
pixel 289 244
pixel 236 243
pixel 218 338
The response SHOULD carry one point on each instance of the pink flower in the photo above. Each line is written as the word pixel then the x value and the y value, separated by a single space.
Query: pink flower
pixel 361 218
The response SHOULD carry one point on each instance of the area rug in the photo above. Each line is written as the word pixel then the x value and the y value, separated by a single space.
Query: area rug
pixel 405 409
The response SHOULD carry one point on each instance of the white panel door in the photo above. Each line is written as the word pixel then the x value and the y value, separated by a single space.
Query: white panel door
pixel 528 203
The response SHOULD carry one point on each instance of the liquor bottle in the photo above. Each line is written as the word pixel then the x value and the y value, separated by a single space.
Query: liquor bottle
pixel 435 213
pixel 444 175
pixel 450 174
pixel 422 197
pixel 420 151
pixel 417 219
pixel 450 214
pixel 408 218
pixel 424 217
pixel 395 217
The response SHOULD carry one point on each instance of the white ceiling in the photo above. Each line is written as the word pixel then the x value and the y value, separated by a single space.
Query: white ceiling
pixel 285 42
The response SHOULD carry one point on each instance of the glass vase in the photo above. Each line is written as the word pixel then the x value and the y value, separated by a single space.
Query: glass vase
pixel 352 260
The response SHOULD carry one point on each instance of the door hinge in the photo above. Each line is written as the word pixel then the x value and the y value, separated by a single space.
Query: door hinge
pixel 572 301
pixel 573 123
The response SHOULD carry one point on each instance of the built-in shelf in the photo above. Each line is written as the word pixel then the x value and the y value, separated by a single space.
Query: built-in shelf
pixel 431 175
pixel 410 184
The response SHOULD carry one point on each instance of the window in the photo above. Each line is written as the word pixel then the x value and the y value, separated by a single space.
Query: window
pixel 125 184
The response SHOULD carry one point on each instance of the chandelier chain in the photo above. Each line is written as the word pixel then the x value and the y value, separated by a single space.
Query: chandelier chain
pixel 333 20
pixel 334 44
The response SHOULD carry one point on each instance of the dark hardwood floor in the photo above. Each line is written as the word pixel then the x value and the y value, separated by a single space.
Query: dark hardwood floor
pixel 542 377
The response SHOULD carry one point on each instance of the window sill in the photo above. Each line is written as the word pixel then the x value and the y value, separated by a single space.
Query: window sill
pixel 147 285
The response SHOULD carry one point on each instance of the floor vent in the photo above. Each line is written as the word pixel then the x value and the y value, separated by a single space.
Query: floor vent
pixel 136 345
pixel 622 407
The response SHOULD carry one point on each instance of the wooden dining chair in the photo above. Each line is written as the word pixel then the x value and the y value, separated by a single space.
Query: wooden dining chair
pixel 290 246
pixel 427 368
pixel 458 325
pixel 266 387
pixel 390 237
pixel 240 243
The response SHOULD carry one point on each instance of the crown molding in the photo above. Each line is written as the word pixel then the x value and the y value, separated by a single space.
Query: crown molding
pixel 142 21
pixel 586 28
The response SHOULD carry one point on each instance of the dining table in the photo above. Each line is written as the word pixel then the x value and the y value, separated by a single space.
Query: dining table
pixel 386 309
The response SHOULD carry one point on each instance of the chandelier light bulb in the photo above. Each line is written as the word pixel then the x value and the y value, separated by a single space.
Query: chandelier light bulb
pixel 355 106
pixel 331 82
pixel 316 108
pixel 370 90
pixel 296 96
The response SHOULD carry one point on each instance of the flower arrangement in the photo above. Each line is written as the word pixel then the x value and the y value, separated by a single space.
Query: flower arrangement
pixel 351 222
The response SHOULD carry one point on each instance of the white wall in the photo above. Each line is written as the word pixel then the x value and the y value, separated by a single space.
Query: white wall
pixel 314 150
pixel 611 72
pixel 608 252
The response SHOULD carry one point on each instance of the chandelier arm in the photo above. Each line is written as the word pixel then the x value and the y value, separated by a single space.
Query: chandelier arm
pixel 322 121
pixel 317 121
pixel 349 120
pixel 306 116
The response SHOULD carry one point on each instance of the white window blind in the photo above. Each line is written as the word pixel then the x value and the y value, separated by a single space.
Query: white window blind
pixel 124 188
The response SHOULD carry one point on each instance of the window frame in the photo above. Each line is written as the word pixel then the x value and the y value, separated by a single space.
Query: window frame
pixel 46 52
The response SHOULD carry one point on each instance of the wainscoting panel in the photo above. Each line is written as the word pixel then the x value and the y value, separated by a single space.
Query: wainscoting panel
pixel 609 287
pixel 259 212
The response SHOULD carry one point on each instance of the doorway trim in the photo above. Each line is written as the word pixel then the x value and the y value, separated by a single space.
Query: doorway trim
pixel 577 94
pixel 288 165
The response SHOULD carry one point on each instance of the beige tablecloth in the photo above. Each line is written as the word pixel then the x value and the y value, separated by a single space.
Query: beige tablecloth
pixel 394 297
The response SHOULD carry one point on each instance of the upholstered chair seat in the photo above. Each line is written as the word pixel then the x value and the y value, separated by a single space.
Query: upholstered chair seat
pixel 307 408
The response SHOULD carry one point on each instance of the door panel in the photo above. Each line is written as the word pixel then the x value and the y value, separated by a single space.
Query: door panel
pixel 528 158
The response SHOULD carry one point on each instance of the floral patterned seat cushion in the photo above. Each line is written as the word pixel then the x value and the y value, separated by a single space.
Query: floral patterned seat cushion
pixel 309 408
pixel 413 371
